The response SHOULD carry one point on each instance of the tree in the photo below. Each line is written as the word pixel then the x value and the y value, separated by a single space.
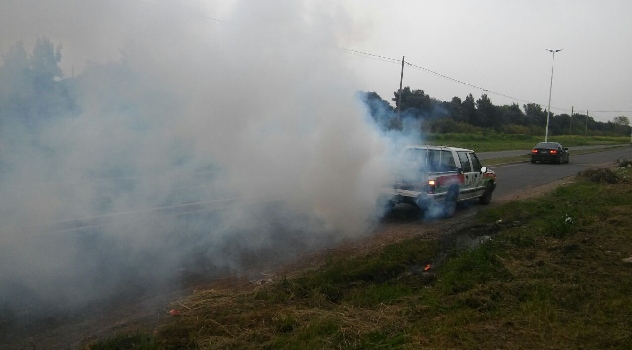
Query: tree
pixel 46 58
pixel 488 117
pixel 482 113
pixel 413 99
pixel 533 109
pixel 469 111
pixel 621 124
pixel 456 107
pixel 621 120
pixel 31 88
pixel 511 115
pixel 381 111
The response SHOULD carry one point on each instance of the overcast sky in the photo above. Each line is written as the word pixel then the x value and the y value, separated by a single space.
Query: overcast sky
pixel 501 46
pixel 496 45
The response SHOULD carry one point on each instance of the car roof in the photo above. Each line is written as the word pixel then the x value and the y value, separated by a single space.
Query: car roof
pixel 437 148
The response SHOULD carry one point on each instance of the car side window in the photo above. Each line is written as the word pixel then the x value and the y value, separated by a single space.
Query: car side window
pixel 433 160
pixel 447 161
pixel 476 164
pixel 465 162
pixel 415 157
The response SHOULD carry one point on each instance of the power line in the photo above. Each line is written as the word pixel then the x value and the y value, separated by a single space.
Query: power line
pixel 396 61
pixel 498 93
pixel 368 55
pixel 465 83
pixel 611 111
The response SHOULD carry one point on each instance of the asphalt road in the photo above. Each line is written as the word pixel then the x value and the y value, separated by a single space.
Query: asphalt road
pixel 517 153
pixel 513 178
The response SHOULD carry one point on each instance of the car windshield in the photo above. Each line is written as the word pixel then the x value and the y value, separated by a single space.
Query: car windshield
pixel 548 145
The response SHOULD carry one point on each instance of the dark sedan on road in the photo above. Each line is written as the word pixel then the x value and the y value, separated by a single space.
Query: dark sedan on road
pixel 552 152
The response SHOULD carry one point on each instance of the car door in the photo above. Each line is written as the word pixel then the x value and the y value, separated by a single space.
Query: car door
pixel 478 181
pixel 470 176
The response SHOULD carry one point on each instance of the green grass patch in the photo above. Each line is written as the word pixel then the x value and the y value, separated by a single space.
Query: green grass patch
pixel 136 341
pixel 364 280
pixel 552 275
pixel 472 267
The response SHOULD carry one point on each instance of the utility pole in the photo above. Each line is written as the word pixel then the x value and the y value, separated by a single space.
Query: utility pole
pixel 570 128
pixel 399 96
pixel 586 132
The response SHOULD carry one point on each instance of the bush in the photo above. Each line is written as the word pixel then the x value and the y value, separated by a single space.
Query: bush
pixel 599 176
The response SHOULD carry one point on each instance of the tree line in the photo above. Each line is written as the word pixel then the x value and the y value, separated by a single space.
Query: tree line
pixel 470 115
pixel 33 89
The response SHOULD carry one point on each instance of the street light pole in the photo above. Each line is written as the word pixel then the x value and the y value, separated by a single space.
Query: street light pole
pixel 548 116
pixel 399 97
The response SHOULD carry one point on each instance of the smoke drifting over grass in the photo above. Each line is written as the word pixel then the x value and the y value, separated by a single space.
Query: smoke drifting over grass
pixel 203 146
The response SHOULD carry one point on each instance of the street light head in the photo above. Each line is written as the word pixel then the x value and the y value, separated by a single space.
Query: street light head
pixel 553 50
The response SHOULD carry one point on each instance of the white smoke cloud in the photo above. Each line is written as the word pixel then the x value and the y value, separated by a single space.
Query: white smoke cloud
pixel 196 139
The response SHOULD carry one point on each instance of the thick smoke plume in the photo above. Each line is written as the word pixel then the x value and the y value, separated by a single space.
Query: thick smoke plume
pixel 202 145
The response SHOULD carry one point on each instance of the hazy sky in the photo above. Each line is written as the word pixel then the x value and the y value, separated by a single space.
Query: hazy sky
pixel 501 46
pixel 496 45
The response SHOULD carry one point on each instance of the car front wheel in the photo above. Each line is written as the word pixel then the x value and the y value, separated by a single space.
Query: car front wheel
pixel 486 198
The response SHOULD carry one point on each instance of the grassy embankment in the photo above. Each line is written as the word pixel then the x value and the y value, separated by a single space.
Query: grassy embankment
pixel 553 275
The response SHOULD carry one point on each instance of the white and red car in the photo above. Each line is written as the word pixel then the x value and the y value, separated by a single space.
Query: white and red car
pixel 439 177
